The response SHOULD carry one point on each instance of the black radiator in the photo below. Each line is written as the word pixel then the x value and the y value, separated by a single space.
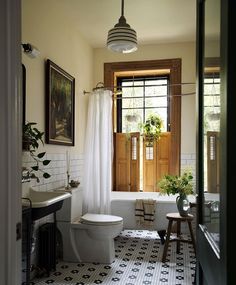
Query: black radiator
pixel 47 247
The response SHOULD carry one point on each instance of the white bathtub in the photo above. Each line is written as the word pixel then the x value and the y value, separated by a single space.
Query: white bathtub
pixel 123 205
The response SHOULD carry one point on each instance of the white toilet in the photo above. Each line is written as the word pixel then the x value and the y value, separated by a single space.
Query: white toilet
pixel 87 238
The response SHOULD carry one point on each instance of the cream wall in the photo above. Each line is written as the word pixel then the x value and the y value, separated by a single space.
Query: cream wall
pixel 185 51
pixel 212 48
pixel 58 39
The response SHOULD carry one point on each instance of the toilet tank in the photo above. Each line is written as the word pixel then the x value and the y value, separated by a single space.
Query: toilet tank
pixel 72 207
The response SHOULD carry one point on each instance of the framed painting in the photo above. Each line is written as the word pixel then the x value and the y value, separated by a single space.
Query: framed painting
pixel 60 105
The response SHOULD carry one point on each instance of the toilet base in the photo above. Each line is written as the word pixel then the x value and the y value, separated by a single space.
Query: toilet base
pixel 79 246
pixel 90 250
pixel 70 254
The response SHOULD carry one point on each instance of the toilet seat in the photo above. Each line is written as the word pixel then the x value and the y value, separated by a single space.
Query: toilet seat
pixel 100 219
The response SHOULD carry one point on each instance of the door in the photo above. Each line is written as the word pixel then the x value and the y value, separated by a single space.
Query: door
pixel 10 146
pixel 216 88
pixel 208 231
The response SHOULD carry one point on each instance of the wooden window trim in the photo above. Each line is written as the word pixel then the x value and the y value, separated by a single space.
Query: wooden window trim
pixel 174 66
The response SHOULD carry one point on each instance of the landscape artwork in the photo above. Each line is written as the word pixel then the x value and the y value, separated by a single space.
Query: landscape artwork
pixel 60 95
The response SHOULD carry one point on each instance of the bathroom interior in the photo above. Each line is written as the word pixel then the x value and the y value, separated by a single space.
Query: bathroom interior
pixel 96 238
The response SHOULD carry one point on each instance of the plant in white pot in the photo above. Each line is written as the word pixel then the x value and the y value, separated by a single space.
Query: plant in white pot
pixel 31 137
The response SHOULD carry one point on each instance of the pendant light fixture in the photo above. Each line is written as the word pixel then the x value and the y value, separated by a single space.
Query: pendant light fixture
pixel 122 38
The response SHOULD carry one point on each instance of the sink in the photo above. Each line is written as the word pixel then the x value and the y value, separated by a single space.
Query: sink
pixel 45 202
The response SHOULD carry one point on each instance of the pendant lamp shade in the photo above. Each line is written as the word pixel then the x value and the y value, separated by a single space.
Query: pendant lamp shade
pixel 122 38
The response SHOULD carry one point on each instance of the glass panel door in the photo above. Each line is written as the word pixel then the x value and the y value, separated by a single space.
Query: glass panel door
pixel 211 124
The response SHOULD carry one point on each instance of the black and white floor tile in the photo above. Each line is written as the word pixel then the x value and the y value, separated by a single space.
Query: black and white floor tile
pixel 138 261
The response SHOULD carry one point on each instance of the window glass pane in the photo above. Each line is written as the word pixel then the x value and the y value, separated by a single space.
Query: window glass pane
pixel 159 90
pixel 130 82
pixel 149 152
pixel 131 120
pixel 156 102
pixel 132 103
pixel 134 148
pixel 132 91
pixel 211 101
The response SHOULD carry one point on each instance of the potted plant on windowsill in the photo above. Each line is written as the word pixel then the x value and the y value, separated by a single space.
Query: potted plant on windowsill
pixel 181 185
pixel 31 137
pixel 152 128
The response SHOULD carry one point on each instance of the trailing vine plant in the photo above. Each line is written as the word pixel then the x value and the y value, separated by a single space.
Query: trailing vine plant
pixel 31 137
pixel 152 128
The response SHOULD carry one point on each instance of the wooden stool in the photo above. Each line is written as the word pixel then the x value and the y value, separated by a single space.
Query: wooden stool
pixel 175 217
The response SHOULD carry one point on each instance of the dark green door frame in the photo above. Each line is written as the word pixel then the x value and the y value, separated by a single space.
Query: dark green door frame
pixel 210 270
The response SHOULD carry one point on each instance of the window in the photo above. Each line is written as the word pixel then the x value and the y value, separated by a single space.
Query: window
pixel 142 96
pixel 129 152
pixel 212 102
pixel 211 131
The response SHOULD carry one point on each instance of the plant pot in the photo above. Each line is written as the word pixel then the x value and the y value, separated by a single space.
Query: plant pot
pixel 183 206
pixel 149 140
pixel 131 118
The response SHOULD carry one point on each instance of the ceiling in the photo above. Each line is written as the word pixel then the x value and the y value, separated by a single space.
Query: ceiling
pixel 155 21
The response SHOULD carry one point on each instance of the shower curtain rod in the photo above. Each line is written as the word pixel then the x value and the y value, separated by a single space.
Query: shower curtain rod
pixel 120 87
pixel 139 97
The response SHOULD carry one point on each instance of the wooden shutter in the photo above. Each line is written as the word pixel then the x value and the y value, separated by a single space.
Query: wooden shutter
pixel 149 166
pixel 134 162
pixel 156 162
pixel 163 155
pixel 126 162
pixel 213 169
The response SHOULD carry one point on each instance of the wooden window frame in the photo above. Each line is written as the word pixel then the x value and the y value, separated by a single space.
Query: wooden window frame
pixel 174 67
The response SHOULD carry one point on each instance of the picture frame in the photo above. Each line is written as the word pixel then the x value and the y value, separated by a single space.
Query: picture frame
pixel 60 105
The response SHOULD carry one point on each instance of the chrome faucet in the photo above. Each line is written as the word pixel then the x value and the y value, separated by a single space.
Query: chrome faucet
pixel 25 175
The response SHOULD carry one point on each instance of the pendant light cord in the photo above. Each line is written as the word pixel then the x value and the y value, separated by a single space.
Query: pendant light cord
pixel 122 7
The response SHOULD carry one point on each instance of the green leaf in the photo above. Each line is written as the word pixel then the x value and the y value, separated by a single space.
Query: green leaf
pixel 36 168
pixel 46 175
pixel 41 154
pixel 33 175
pixel 46 162
pixel 28 125
pixel 34 144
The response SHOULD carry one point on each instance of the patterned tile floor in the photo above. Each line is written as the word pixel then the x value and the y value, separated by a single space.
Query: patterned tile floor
pixel 138 261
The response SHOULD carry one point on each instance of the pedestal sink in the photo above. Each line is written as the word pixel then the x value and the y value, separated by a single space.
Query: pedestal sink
pixel 44 203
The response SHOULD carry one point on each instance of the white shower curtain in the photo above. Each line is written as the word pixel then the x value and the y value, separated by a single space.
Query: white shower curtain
pixel 98 153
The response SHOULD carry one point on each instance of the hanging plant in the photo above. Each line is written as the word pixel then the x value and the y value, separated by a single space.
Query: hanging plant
pixel 31 137
pixel 152 128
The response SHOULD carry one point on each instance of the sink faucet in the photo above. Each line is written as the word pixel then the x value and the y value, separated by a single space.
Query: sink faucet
pixel 25 175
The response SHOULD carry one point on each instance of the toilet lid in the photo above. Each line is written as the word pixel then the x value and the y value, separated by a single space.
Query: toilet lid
pixel 100 219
